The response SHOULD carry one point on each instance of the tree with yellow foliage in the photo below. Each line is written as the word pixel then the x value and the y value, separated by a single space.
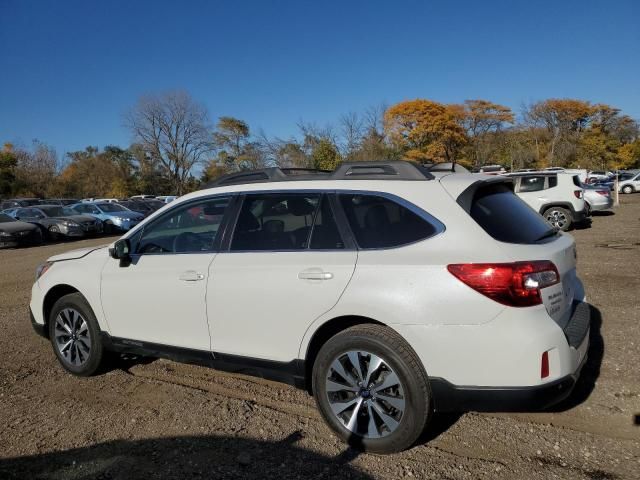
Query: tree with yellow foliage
pixel 424 130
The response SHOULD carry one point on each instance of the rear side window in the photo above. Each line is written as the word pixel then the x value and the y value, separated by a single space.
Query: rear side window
pixel 279 221
pixel 532 184
pixel 553 181
pixel 325 234
pixel 379 222
pixel 506 217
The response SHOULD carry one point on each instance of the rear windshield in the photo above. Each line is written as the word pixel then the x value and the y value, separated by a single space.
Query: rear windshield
pixel 507 218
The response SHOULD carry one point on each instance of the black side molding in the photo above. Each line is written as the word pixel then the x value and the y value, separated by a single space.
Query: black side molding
pixel 291 373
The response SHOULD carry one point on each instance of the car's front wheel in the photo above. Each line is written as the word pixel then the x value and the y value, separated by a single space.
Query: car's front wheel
pixel 75 335
pixel 371 389
pixel 558 217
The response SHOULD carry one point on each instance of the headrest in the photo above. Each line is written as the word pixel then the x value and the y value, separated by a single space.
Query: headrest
pixel 247 222
pixel 299 206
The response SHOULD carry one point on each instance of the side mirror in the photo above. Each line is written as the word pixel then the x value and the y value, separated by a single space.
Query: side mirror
pixel 121 250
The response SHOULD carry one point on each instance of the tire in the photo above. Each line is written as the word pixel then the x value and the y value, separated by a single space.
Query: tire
pixel 627 189
pixel 587 208
pixel 558 217
pixel 383 426
pixel 54 232
pixel 72 323
pixel 108 228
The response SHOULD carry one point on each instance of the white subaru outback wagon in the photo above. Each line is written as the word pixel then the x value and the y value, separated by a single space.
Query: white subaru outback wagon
pixel 386 291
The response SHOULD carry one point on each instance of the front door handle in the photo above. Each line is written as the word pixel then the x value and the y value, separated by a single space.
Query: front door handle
pixel 315 274
pixel 191 276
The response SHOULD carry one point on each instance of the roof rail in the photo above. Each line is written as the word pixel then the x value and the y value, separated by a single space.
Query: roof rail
pixel 392 170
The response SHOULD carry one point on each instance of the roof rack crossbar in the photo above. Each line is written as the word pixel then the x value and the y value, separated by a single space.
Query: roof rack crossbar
pixel 391 170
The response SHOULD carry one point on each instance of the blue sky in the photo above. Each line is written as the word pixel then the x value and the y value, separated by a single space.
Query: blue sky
pixel 70 69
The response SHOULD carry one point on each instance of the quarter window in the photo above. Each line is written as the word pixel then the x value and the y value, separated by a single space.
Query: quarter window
pixel 379 222
pixel 281 221
pixel 190 228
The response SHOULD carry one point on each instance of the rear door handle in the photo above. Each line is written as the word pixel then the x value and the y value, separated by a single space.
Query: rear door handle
pixel 191 276
pixel 315 274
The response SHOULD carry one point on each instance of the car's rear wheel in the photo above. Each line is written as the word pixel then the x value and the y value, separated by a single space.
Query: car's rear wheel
pixel 75 335
pixel 627 189
pixel 371 389
pixel 558 217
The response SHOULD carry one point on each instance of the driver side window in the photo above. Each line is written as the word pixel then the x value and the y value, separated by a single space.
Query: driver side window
pixel 188 229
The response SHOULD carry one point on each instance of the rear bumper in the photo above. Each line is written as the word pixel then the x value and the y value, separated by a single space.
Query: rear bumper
pixel 452 398
pixel 448 397
pixel 578 217
pixel 599 206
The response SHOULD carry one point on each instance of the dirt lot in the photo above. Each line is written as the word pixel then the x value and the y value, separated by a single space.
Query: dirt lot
pixel 158 419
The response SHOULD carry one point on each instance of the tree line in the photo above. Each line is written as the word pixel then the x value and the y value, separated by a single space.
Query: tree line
pixel 176 148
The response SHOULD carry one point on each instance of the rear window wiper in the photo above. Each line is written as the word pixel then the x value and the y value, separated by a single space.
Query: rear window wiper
pixel 549 233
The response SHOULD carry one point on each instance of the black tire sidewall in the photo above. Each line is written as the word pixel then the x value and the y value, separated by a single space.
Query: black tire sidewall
pixel 78 302
pixel 417 397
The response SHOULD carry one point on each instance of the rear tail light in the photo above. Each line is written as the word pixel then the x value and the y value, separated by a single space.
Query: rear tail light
pixel 514 284
pixel 544 365
pixel 603 192
pixel 578 193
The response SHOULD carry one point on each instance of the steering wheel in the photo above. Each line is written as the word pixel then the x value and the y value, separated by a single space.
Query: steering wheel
pixel 188 242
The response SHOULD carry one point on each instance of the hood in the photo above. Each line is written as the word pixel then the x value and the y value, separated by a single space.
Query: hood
pixel 74 254
pixel 12 227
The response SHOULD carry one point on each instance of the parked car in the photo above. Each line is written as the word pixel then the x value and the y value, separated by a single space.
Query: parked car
pixel 597 198
pixel 153 203
pixel 15 233
pixel 114 216
pixel 385 291
pixel 166 198
pixel 60 201
pixel 558 197
pixel 57 221
pixel 10 211
pixel 492 169
pixel 137 206
pixel 19 202
pixel 106 200
pixel 630 185
pixel 141 197
pixel 596 175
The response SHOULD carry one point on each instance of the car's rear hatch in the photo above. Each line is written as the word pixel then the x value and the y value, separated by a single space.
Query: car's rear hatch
pixel 524 236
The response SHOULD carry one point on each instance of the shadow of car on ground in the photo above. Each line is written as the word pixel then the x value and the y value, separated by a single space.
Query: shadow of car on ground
pixel 209 456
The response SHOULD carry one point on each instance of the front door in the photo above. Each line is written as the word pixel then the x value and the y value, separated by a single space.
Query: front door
pixel 160 296
pixel 286 265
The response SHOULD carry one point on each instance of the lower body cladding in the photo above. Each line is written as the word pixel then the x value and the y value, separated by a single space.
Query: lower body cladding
pixel 520 361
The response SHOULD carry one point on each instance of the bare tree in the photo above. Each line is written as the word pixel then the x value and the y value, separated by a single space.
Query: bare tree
pixel 352 129
pixel 173 129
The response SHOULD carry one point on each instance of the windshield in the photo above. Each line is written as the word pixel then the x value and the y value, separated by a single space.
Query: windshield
pixel 55 211
pixel 112 207
pixel 5 218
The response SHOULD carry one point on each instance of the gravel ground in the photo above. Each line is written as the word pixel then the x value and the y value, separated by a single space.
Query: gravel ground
pixel 158 419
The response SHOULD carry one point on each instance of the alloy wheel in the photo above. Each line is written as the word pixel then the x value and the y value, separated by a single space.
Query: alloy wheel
pixel 72 337
pixel 556 218
pixel 365 394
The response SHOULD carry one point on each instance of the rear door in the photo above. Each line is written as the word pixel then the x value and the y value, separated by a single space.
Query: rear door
pixel 286 265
